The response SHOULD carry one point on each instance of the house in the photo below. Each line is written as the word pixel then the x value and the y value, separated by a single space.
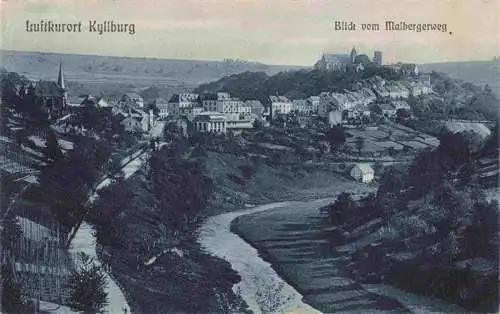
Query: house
pixel 183 103
pixel 256 107
pixel 381 91
pixel 419 87
pixel 314 103
pixel 131 124
pixel 238 125
pixel 51 96
pixel 400 104
pixel 361 111
pixel 181 123
pixel 388 110
pixel 162 105
pixel 98 102
pixel 334 118
pixel 210 121
pixel 362 172
pixel 135 120
pixel 280 105
pixel 75 101
pixel 133 99
pixel 223 102
pixel 407 69
pixel 398 91
pixel 329 102
pixel 302 107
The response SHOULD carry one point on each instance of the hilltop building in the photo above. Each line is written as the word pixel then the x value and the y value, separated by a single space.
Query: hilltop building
pixel 406 69
pixel 342 62
pixel 333 62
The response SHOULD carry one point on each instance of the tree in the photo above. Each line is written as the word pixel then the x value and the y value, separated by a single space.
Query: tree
pixel 363 59
pixel 113 200
pixel 65 185
pixel 114 168
pixel 271 297
pixel 87 285
pixel 340 209
pixel 180 186
pixel 257 124
pixel 335 136
pixel 453 150
pixel 12 299
pixel 360 143
pixel 53 151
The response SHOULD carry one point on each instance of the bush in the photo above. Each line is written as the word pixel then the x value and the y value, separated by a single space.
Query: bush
pixel 87 284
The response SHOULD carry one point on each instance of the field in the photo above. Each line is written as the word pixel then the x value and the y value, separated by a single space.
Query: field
pixel 385 138
pixel 295 240
pixel 112 76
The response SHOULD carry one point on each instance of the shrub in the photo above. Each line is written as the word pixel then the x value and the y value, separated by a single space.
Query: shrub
pixel 87 284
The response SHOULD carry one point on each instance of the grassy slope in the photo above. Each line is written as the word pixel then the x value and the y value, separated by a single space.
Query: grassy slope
pixel 173 283
pixel 268 183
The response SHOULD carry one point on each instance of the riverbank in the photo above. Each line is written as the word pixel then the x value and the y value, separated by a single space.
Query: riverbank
pixel 295 240
pixel 164 273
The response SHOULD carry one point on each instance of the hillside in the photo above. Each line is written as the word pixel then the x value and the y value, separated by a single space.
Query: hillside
pixel 452 96
pixel 476 72
pixel 111 75
pixel 293 84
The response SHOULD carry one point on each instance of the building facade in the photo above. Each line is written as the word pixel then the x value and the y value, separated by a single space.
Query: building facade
pixel 280 105
pixel 183 103
pixel 207 121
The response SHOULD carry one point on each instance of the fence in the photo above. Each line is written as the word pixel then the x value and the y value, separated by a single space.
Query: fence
pixel 42 266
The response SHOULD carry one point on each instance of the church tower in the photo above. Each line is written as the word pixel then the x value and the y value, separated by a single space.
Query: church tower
pixel 60 83
pixel 354 54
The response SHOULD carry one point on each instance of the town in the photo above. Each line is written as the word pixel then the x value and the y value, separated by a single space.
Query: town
pixel 119 192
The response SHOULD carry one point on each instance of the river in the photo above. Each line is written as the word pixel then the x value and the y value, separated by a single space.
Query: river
pixel 257 275
pixel 259 281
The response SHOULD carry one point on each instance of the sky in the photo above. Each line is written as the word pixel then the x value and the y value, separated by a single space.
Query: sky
pixel 288 32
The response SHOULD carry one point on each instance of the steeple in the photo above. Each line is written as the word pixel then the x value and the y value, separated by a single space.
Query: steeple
pixel 60 83
pixel 60 78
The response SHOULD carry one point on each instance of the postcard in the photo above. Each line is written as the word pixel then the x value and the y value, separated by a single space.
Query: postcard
pixel 249 156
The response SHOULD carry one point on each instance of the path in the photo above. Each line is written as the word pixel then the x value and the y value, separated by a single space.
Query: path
pixel 84 240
